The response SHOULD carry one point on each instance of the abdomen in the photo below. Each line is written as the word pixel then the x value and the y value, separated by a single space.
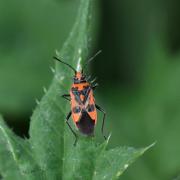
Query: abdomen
pixel 86 124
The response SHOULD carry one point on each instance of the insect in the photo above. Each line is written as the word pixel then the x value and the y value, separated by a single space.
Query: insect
pixel 83 106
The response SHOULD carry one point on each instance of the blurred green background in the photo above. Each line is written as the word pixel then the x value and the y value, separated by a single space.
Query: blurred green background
pixel 138 71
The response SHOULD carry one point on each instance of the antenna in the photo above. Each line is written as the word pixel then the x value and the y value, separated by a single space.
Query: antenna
pixel 64 63
pixel 92 58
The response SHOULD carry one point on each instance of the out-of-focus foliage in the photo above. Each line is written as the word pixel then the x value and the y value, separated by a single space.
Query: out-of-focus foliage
pixel 139 81
pixel 138 71
pixel 28 39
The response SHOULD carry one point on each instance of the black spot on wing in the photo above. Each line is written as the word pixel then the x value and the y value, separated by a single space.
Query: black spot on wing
pixel 76 109
pixel 90 108
pixel 86 124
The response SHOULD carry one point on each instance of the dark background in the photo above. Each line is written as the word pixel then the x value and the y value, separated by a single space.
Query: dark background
pixel 138 72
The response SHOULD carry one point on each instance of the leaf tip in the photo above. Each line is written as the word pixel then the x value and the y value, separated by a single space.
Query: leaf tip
pixel 37 102
pixel 151 145
pixel 148 147
pixel 44 89
pixel 57 52
pixel 52 70
pixel 108 138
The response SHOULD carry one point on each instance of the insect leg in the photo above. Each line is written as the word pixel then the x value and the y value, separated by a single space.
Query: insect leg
pixel 65 96
pixel 95 86
pixel 104 116
pixel 67 121
pixel 89 77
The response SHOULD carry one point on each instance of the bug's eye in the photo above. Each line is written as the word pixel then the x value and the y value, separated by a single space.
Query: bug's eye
pixel 90 108
pixel 76 109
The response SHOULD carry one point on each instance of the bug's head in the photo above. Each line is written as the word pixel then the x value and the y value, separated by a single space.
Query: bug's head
pixel 79 77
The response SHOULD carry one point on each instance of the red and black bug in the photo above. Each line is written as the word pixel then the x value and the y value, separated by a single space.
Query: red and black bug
pixel 83 106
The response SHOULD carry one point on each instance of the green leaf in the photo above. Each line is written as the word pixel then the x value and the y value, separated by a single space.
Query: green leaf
pixel 16 158
pixel 49 153
pixel 8 152
pixel 112 163
pixel 48 121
